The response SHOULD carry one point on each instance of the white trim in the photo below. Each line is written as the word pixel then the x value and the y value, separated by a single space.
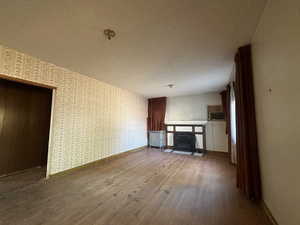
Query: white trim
pixel 50 143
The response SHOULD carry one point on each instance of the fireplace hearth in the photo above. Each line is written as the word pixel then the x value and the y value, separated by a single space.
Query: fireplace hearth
pixel 185 141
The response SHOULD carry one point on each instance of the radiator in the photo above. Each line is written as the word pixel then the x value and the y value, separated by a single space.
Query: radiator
pixel 157 139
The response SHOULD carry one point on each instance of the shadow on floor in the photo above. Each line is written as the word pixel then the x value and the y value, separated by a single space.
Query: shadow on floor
pixel 22 179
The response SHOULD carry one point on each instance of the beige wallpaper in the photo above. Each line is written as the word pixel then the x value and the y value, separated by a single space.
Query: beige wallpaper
pixel 91 119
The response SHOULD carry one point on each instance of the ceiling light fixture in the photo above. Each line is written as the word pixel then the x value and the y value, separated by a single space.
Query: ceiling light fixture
pixel 170 85
pixel 109 33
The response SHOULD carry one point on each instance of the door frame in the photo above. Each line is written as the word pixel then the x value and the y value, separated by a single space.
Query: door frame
pixel 53 89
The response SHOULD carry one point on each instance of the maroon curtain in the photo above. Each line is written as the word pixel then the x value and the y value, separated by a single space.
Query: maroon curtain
pixel 226 108
pixel 225 95
pixel 224 105
pixel 156 113
pixel 248 171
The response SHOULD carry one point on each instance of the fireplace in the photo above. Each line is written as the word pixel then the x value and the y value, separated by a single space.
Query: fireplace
pixel 185 141
pixel 195 130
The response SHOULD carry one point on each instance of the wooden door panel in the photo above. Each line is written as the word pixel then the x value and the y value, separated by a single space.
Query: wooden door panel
pixel 24 123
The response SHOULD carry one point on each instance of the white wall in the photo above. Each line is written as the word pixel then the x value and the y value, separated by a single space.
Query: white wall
pixel 194 108
pixel 91 120
pixel 276 56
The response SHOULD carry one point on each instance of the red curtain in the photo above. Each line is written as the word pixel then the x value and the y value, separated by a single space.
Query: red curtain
pixel 226 108
pixel 225 95
pixel 224 104
pixel 248 171
pixel 156 113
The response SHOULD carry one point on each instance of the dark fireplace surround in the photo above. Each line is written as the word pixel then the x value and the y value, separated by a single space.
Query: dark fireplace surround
pixel 185 141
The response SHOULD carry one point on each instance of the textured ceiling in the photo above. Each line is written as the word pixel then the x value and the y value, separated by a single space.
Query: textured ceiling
pixel 188 43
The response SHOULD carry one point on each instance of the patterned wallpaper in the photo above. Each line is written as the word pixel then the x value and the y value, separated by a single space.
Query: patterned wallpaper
pixel 91 119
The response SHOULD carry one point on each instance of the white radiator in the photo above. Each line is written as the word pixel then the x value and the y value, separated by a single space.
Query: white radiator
pixel 157 139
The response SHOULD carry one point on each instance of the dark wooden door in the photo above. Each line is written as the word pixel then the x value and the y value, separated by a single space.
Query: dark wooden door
pixel 25 113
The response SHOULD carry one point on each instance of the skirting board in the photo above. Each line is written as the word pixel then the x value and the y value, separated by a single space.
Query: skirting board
pixel 97 162
pixel 268 213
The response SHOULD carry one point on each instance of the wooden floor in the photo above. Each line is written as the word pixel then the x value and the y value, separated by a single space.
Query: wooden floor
pixel 143 188
pixel 21 179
